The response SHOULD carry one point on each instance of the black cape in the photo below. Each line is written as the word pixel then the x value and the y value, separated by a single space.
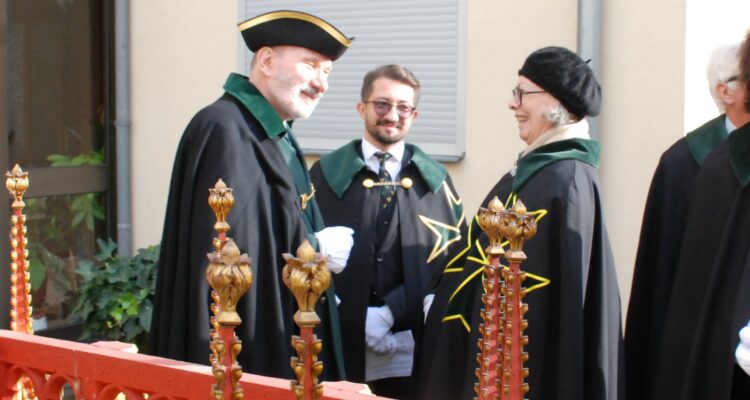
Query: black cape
pixel 710 299
pixel 426 232
pixel 659 248
pixel 235 139
pixel 575 339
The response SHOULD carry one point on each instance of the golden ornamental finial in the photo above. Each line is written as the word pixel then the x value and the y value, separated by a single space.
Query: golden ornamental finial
pixel 308 277
pixel 229 274
pixel 17 182
pixel 221 201
pixel 518 227
pixel 489 220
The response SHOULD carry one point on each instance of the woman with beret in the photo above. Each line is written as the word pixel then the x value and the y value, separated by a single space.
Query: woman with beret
pixel 574 323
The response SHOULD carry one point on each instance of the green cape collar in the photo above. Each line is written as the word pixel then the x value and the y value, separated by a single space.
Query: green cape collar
pixel 341 166
pixel 584 150
pixel 240 87
pixel 739 153
pixel 705 138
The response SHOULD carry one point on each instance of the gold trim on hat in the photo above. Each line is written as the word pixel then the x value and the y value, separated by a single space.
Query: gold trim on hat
pixel 272 16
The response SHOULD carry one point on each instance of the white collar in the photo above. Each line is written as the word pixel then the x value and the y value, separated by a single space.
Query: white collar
pixel 392 164
pixel 577 130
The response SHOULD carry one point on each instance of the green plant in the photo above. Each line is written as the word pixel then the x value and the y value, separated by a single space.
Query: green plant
pixel 115 299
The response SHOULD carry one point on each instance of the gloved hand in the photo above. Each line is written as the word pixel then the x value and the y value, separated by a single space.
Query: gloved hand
pixel 743 349
pixel 426 304
pixel 336 242
pixel 392 343
pixel 377 324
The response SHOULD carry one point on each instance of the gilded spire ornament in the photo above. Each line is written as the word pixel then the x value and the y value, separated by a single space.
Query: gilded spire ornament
pixel 17 181
pixel 501 373
pixel 230 275
pixel 308 277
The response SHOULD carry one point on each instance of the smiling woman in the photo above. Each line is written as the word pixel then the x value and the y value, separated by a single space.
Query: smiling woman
pixel 573 300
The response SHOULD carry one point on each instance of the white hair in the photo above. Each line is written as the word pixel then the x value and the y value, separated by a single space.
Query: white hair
pixel 723 64
pixel 558 116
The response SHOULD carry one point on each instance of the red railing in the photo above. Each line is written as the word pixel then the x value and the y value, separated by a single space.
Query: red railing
pixel 102 371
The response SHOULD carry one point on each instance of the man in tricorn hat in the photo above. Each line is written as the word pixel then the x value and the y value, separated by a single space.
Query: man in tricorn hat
pixel 245 139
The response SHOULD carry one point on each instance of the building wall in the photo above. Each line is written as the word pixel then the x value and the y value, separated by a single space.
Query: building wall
pixel 181 56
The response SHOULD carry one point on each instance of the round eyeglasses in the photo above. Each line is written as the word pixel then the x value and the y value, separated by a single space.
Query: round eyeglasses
pixel 382 108
pixel 518 94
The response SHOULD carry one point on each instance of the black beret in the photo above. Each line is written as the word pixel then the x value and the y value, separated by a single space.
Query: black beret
pixel 565 76
pixel 294 28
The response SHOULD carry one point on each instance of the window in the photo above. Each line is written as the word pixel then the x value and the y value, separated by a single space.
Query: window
pixel 55 108
pixel 426 36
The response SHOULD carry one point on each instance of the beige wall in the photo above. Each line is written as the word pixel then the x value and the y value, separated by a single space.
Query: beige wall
pixel 180 59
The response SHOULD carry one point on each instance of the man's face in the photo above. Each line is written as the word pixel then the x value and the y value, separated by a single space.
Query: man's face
pixel 298 79
pixel 385 128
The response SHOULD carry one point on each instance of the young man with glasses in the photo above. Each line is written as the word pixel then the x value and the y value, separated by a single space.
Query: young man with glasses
pixel 407 220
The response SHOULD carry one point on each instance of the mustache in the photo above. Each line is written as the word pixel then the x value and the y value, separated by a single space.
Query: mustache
pixel 385 122
pixel 312 92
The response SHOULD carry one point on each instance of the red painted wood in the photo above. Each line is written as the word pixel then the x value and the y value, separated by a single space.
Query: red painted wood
pixel 100 372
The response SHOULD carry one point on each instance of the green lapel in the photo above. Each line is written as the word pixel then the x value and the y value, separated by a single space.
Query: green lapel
pixel 244 91
pixel 584 150
pixel 341 166
pixel 739 153
pixel 705 138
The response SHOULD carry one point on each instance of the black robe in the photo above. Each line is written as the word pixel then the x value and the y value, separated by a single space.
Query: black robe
pixel 659 249
pixel 575 339
pixel 425 231
pixel 710 299
pixel 235 139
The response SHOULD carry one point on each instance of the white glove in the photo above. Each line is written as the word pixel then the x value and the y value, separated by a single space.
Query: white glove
pixel 378 323
pixel 336 242
pixel 401 342
pixel 743 349
pixel 426 304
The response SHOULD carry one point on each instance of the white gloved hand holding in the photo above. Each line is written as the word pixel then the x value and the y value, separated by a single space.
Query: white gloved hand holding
pixel 385 346
pixel 377 325
pixel 336 242
pixel 743 349
pixel 426 304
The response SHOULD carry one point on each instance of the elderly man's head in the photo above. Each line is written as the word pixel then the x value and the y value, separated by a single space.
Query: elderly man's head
pixel 555 87
pixel 722 72
pixel 294 55
pixel 745 69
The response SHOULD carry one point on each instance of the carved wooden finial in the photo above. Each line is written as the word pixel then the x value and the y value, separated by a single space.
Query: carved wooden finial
pixel 220 200
pixel 489 220
pixel 17 181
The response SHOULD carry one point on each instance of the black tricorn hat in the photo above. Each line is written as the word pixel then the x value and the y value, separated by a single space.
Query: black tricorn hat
pixel 294 28
pixel 567 77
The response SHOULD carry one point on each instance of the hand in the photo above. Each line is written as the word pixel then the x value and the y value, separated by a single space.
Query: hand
pixel 743 350
pixel 385 346
pixel 335 243
pixel 377 325
pixel 426 304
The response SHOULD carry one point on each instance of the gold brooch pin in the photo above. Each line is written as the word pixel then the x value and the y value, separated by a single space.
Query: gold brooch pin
pixel 405 183
pixel 304 197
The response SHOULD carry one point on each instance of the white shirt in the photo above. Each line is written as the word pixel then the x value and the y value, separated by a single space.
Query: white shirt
pixel 392 164
pixel 729 125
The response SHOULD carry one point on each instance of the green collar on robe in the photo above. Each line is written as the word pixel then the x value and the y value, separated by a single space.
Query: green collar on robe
pixel 584 150
pixel 340 167
pixel 739 153
pixel 705 138
pixel 240 87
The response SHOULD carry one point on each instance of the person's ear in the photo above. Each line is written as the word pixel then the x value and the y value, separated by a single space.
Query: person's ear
pixel 361 106
pixel 264 58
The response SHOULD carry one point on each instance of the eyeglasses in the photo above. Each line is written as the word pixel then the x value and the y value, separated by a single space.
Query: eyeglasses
pixel 518 94
pixel 382 108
